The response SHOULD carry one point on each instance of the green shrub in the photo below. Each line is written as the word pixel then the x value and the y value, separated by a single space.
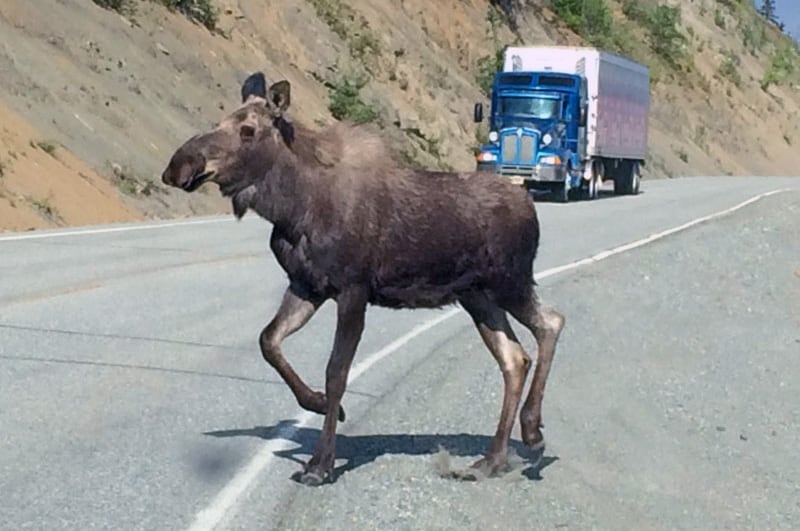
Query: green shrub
pixel 662 24
pixel 120 6
pixel 335 14
pixel 667 41
pixel 637 11
pixel 346 102
pixel 700 136
pixel 200 11
pixel 488 66
pixel 781 67
pixel 594 21
pixel 44 207
pixel 47 146
pixel 719 18
pixel 348 25
pixel 730 69
pixel 116 5
pixel 590 19
pixel 754 36
pixel 363 43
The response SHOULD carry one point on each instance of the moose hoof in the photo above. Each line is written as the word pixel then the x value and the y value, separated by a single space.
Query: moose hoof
pixel 537 445
pixel 311 479
pixel 315 474
pixel 532 433
pixel 533 439
pixel 491 467
pixel 488 467
pixel 341 414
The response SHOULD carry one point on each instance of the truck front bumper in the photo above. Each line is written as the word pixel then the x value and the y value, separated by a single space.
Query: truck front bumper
pixel 528 175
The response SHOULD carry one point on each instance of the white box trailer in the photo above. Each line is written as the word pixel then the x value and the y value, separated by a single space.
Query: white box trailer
pixel 617 90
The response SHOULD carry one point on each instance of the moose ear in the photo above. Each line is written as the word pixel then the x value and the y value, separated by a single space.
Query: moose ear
pixel 254 85
pixel 279 94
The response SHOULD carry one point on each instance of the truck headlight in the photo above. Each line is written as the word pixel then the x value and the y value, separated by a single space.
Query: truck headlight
pixel 493 136
pixel 486 156
pixel 547 139
pixel 554 160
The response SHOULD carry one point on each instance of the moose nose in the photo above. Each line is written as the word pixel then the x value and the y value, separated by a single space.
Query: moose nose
pixel 170 173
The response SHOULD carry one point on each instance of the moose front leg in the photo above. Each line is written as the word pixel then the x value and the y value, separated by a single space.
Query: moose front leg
pixel 351 307
pixel 295 311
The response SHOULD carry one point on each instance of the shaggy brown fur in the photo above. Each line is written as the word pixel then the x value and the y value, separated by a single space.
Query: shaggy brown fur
pixel 350 225
pixel 341 145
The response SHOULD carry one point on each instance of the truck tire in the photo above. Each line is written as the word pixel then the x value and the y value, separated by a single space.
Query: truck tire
pixel 636 178
pixel 627 178
pixel 592 189
pixel 562 192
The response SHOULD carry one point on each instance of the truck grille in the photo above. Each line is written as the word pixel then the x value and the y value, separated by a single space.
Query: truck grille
pixel 527 149
pixel 509 147
pixel 516 149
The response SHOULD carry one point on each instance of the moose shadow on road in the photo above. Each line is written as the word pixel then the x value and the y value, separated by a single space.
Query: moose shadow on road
pixel 360 450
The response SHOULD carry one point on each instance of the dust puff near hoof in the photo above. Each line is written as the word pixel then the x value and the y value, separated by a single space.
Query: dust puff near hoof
pixel 443 465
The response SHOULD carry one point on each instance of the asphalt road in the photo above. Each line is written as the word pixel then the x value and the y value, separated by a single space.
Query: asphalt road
pixel 133 394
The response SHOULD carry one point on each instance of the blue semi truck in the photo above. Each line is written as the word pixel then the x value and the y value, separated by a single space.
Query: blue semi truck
pixel 567 119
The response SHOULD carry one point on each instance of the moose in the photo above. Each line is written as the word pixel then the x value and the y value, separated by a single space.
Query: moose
pixel 350 224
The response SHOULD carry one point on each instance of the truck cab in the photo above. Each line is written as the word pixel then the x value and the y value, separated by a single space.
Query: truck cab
pixel 534 129
pixel 566 119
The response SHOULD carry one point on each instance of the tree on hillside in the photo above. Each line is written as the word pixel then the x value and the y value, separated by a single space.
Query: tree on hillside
pixel 508 7
pixel 768 10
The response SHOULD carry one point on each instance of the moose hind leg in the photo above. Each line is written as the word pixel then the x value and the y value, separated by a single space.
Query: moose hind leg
pixel 496 332
pixel 295 311
pixel 546 325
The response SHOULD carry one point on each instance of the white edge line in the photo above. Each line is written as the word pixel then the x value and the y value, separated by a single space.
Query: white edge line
pixel 107 230
pixel 220 506
pixel 656 236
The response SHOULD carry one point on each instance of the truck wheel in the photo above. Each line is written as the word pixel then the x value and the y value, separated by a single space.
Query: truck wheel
pixel 623 178
pixel 627 179
pixel 591 189
pixel 636 177
pixel 562 192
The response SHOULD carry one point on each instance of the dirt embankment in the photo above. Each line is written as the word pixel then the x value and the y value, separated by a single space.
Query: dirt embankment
pixel 121 92
pixel 42 184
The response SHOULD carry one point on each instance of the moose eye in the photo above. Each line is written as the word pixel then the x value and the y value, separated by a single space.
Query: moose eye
pixel 247 132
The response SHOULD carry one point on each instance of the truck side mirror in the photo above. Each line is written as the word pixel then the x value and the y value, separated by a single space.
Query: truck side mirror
pixel 478 113
pixel 584 111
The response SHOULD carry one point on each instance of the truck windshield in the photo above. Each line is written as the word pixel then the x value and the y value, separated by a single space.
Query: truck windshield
pixel 542 108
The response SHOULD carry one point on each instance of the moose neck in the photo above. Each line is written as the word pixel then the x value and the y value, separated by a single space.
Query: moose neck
pixel 286 192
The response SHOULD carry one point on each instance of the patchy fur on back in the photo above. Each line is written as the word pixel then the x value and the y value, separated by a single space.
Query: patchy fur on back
pixel 343 145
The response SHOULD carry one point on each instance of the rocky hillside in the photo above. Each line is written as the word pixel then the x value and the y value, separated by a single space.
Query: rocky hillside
pixel 95 94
